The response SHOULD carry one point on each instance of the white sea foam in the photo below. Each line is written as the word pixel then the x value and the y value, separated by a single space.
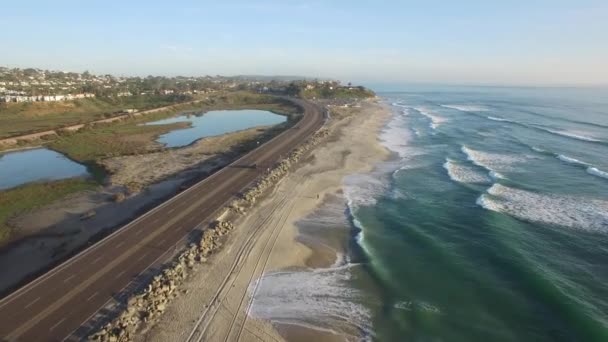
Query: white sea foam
pixel 363 189
pixel 420 306
pixel 493 162
pixel 538 149
pixel 321 299
pixel 571 160
pixel 562 210
pixel 395 135
pixel 493 118
pixel 574 135
pixel 467 108
pixel 464 174
pixel 597 172
pixel 436 120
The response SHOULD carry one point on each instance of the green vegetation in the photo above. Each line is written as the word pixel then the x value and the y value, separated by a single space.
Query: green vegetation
pixel 326 90
pixel 30 117
pixel 130 137
pixel 121 138
pixel 27 197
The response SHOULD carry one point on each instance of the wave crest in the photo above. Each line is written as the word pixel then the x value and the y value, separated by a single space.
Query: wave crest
pixel 321 299
pixel 463 174
pixel 561 210
pixel 467 108
pixel 597 172
pixel 436 120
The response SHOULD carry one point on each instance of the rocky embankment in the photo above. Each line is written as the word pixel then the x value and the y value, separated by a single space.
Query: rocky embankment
pixel 146 307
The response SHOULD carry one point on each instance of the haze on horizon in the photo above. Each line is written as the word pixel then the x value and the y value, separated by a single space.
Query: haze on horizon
pixel 537 42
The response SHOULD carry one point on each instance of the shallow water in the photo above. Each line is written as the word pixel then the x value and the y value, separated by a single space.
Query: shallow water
pixel 35 165
pixel 491 221
pixel 213 123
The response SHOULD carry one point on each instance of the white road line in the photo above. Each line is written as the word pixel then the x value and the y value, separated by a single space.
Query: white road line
pixel 141 257
pixel 69 278
pixel 31 303
pixel 57 324
pixel 93 295
pixel 119 274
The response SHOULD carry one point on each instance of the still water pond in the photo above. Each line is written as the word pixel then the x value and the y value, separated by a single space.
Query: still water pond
pixel 215 122
pixel 35 165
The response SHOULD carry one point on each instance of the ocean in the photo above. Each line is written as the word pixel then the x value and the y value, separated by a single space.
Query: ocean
pixel 489 223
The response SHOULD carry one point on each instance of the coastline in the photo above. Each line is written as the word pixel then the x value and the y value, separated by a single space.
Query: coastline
pixel 281 245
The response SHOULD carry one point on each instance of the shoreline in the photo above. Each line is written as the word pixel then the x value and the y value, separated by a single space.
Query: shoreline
pixel 352 147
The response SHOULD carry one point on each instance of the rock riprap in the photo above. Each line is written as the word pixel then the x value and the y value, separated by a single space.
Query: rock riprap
pixel 147 306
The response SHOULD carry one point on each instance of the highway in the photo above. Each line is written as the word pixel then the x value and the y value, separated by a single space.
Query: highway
pixel 54 306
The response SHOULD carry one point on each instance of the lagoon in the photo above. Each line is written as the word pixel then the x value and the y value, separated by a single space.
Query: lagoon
pixel 40 164
pixel 214 123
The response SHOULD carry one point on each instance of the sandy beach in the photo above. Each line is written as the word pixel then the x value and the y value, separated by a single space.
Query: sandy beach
pixel 216 301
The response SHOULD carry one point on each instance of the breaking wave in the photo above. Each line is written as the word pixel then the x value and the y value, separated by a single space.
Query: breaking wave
pixel 420 306
pixel 573 135
pixel 493 118
pixel 396 135
pixel 467 108
pixel 561 210
pixel 597 172
pixel 320 299
pixel 493 162
pixel 436 120
pixel 571 160
pixel 464 174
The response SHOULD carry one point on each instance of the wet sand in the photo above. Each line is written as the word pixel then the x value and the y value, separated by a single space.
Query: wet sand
pixel 280 235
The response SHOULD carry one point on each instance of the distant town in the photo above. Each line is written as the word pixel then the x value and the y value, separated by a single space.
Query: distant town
pixel 37 85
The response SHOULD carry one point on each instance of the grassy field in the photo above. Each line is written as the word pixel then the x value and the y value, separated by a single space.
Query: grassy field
pixel 127 137
pixel 27 197
pixel 130 137
pixel 23 118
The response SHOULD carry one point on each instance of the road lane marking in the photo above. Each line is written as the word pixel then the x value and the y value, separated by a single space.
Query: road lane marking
pixel 69 278
pixel 57 324
pixel 119 274
pixel 143 256
pixel 23 327
pixel 31 303
pixel 91 296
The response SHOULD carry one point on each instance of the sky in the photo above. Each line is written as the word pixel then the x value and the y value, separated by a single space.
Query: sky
pixel 532 42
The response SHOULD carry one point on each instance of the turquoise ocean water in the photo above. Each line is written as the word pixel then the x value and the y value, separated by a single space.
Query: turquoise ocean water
pixel 488 223
pixel 491 221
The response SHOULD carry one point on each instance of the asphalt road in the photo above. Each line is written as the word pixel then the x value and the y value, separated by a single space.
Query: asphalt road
pixel 55 305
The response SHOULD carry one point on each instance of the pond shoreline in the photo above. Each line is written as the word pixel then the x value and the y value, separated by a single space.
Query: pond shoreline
pixel 57 231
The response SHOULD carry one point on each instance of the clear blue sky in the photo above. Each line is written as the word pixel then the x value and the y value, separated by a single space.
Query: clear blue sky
pixel 490 42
